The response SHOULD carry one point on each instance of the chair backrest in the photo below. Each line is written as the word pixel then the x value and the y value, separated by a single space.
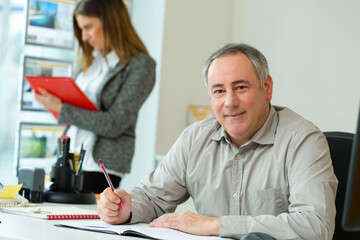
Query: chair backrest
pixel 340 144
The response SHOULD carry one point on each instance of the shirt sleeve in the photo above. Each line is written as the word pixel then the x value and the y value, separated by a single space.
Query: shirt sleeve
pixel 312 184
pixel 165 188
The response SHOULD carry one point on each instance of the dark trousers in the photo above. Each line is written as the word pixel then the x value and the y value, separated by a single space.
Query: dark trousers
pixel 257 236
pixel 96 182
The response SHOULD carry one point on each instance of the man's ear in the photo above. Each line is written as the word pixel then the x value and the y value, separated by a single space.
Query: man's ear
pixel 268 87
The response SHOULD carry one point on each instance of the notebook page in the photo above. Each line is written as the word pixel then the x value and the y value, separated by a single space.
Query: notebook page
pixel 140 229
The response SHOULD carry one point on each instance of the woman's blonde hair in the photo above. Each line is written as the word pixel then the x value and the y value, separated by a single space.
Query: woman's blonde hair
pixel 118 32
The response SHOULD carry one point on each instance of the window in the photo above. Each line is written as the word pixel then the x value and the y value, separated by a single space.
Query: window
pixel 12 50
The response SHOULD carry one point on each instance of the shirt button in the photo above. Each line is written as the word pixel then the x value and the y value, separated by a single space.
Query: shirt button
pixel 235 195
pixel 238 156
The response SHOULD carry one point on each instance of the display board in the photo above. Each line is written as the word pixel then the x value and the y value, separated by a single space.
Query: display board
pixel 49 23
pixel 37 145
pixel 33 66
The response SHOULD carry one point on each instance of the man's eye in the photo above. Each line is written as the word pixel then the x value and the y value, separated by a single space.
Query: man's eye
pixel 218 91
pixel 240 87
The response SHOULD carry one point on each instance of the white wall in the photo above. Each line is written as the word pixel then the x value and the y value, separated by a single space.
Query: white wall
pixel 148 20
pixel 192 30
pixel 313 52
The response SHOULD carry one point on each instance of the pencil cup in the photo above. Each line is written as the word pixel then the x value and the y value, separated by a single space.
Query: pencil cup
pixel 61 176
pixel 77 182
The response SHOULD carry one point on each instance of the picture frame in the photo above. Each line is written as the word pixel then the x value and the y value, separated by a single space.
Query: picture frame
pixel 36 66
pixel 197 113
pixel 37 145
pixel 50 23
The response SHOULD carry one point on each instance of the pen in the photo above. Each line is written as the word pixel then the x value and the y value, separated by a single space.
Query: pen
pixel 59 148
pixel 81 159
pixel 108 178
pixel 65 144
pixel 71 165
pixel 67 148
pixel 81 148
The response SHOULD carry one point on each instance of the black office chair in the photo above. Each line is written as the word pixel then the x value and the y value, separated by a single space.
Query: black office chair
pixel 340 144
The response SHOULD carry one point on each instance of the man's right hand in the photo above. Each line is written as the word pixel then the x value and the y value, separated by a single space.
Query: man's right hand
pixel 108 206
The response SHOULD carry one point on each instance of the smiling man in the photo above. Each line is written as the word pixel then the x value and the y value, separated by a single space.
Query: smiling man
pixel 239 100
pixel 254 171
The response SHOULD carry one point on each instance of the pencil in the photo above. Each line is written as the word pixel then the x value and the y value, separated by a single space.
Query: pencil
pixel 108 178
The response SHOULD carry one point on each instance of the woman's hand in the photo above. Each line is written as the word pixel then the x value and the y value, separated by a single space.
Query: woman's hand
pixel 48 100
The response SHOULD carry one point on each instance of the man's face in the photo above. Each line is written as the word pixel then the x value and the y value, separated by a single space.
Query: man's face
pixel 238 101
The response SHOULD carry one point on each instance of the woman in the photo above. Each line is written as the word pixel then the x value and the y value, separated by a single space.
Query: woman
pixel 117 74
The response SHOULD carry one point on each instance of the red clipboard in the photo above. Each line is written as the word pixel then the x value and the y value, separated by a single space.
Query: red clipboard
pixel 64 88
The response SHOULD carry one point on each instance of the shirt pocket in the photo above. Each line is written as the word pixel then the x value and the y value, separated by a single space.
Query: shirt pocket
pixel 269 201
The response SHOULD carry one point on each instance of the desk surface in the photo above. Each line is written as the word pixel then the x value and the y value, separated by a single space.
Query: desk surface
pixel 21 227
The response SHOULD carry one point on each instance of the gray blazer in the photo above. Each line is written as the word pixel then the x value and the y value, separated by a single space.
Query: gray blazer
pixel 122 94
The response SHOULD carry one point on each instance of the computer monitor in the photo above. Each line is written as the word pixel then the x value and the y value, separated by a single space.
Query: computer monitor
pixel 351 214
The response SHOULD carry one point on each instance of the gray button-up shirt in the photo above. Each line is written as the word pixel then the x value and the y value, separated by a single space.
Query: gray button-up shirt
pixel 281 182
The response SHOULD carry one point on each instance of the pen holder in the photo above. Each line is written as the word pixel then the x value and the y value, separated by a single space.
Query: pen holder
pixel 77 182
pixel 61 176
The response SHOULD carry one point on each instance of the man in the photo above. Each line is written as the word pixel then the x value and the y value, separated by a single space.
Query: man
pixel 255 167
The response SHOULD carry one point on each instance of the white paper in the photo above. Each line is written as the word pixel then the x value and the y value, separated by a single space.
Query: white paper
pixel 140 229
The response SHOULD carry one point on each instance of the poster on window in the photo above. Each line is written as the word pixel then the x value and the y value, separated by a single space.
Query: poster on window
pixel 37 145
pixel 34 66
pixel 49 23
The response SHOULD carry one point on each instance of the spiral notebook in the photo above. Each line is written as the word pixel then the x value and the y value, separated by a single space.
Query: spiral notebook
pixel 17 201
pixel 10 197
pixel 52 213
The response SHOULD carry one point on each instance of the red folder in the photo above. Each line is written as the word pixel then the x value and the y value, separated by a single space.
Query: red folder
pixel 64 88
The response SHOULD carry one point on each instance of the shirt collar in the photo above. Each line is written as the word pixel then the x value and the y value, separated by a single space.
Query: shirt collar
pixel 219 133
pixel 265 135
pixel 111 58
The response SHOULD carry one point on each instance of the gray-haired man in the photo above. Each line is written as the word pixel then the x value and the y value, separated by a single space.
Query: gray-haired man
pixel 254 167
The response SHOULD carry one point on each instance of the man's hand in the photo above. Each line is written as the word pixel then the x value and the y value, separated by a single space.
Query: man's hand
pixel 189 222
pixel 48 100
pixel 108 206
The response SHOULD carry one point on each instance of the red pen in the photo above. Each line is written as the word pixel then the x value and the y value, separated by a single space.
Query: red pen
pixel 108 178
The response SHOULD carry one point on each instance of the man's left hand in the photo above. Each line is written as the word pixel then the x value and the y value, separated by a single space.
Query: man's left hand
pixel 189 222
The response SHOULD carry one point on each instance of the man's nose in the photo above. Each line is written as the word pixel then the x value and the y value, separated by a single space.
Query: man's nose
pixel 231 100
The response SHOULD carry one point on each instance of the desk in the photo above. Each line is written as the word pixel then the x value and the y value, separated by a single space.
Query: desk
pixel 20 227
